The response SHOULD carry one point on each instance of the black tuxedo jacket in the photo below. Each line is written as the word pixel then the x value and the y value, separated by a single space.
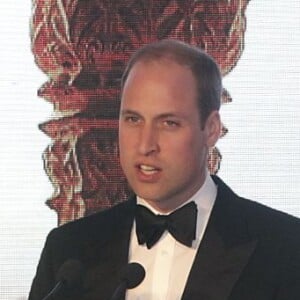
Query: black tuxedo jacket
pixel 248 252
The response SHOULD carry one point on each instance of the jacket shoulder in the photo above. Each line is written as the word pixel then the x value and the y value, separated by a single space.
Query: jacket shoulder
pixel 260 219
pixel 95 228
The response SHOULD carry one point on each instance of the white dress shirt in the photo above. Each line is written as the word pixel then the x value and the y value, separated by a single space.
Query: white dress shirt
pixel 168 262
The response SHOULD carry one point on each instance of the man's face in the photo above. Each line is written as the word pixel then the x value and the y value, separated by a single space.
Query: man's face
pixel 163 149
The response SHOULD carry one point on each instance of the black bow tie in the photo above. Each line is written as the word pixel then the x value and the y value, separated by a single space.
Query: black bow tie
pixel 181 224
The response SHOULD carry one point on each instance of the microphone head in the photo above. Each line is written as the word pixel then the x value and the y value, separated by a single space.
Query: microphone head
pixel 70 273
pixel 133 274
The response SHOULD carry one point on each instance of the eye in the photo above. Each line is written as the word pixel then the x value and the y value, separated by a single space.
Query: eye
pixel 132 119
pixel 171 123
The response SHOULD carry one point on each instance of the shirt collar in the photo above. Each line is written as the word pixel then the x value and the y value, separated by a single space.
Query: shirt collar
pixel 204 198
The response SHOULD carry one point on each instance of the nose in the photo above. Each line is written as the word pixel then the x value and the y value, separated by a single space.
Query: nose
pixel 148 141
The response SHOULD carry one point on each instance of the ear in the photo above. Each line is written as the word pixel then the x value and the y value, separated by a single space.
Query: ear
pixel 213 128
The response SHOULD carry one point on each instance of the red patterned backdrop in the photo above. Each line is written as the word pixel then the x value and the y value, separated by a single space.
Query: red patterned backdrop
pixel 83 47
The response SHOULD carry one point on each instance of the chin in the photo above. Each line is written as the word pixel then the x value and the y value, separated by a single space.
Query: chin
pixel 147 195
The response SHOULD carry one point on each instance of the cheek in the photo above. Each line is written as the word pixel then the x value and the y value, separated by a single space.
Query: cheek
pixel 184 144
pixel 124 140
pixel 124 146
pixel 127 147
pixel 128 135
pixel 189 152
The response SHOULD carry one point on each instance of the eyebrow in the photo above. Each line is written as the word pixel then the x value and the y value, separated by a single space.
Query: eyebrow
pixel 160 116
pixel 129 111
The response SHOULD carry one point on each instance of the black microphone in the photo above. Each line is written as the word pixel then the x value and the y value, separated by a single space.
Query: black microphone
pixel 69 277
pixel 131 276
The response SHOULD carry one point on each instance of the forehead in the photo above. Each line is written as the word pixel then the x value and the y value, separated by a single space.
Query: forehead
pixel 164 72
pixel 168 63
pixel 160 86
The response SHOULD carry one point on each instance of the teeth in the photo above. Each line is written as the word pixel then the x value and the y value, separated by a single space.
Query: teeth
pixel 147 168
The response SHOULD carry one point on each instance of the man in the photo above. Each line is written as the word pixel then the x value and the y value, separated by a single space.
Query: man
pixel 235 248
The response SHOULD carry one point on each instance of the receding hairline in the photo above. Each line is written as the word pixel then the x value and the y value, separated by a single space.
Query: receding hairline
pixel 163 61
pixel 166 50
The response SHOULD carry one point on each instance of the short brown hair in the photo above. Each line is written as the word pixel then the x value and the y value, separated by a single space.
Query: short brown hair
pixel 204 68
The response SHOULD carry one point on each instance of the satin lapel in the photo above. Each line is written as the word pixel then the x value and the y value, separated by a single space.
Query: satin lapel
pixel 224 251
pixel 107 256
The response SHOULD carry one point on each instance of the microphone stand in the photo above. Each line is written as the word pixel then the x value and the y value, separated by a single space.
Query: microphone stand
pixel 54 291
pixel 119 292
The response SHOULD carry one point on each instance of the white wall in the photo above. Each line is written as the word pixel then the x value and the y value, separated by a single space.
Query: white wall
pixel 262 149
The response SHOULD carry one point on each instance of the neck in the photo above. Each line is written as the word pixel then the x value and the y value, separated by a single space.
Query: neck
pixel 168 205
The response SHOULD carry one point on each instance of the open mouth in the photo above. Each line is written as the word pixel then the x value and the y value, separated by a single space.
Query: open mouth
pixel 148 170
